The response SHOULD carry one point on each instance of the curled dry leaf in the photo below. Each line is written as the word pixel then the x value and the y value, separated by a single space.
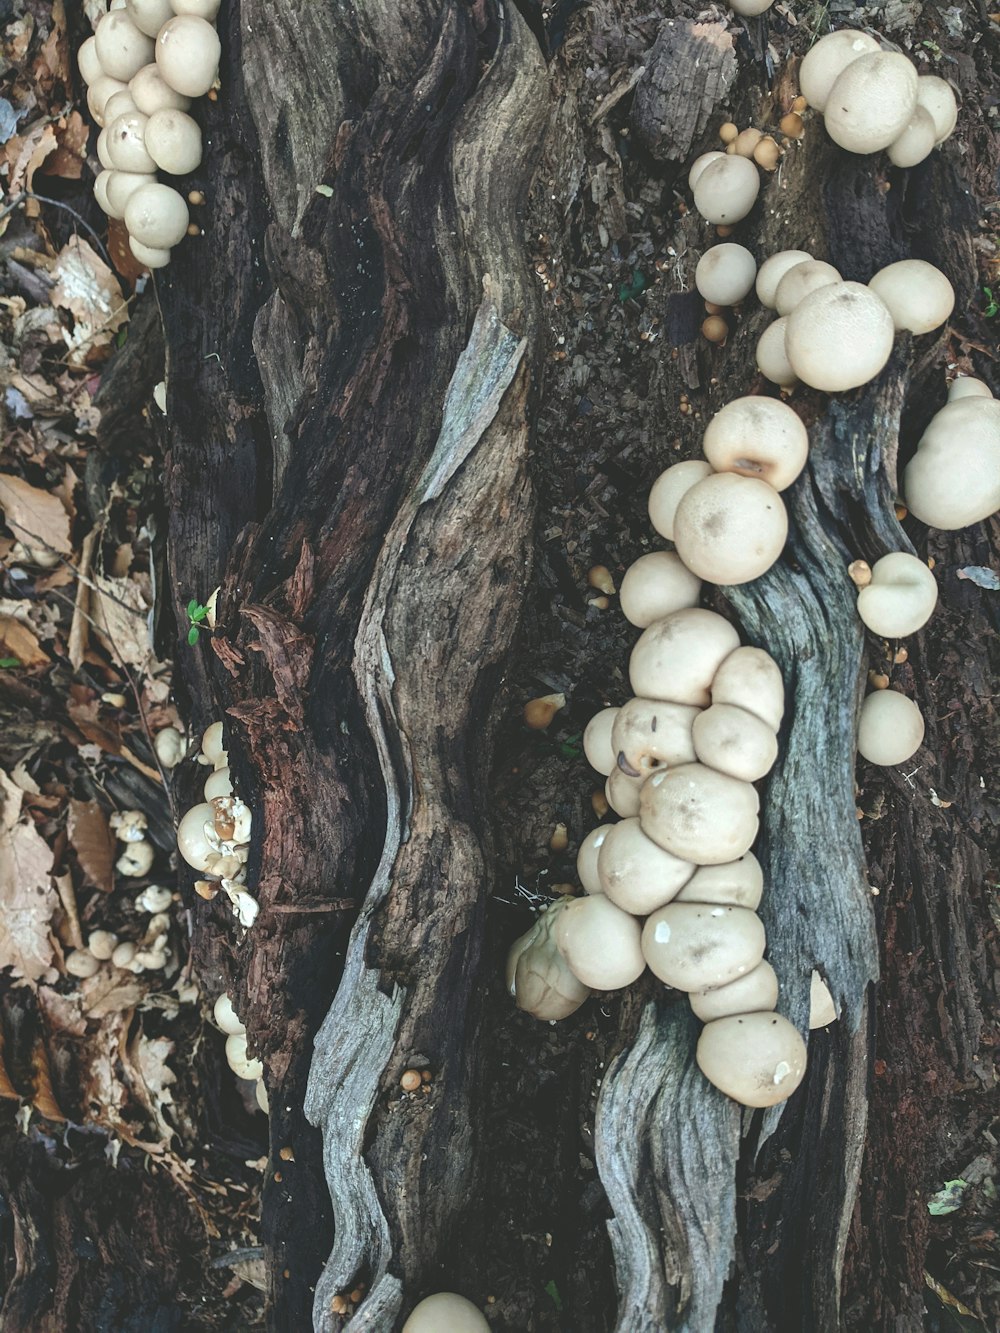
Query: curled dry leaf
pixel 93 843
pixel 35 517
pixel 87 288
pixel 27 895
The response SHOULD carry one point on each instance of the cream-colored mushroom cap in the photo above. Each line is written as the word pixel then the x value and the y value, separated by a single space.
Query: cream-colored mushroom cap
pixel 676 658
pixel 635 874
pixel 668 489
pixel 739 883
pixel 839 337
pixel 773 270
pixel 937 97
pixel 871 102
pixel 89 62
pixel 445 1312
pixel 655 586
pixel 730 529
pixel 121 186
pixel 586 857
pixel 597 741
pixel 915 142
pixel 622 793
pixel 699 815
pixel 772 359
pixel 100 93
pixel 649 734
pixel 727 190
pixel 600 943
pixel 157 216
pixel 753 993
pixel 697 946
pixel 101 193
pixel 800 280
pixel 890 729
pixel 822 1010
pixel 901 597
pixel 953 480
pixel 733 741
pixel 121 48
pixel 218 783
pixel 918 295
pixel 118 104
pixel 127 145
pixel 827 60
pixel 226 1017
pixel 149 16
pixel 152 94
pixel 749 8
pixel 187 53
pixel 756 1059
pixel 758 437
pixel 725 273
pixel 543 985
pixel 967 387
pixel 192 843
pixel 260 1096
pixel 699 165
pixel 205 9
pixel 750 678
pixel 243 1065
pixel 173 140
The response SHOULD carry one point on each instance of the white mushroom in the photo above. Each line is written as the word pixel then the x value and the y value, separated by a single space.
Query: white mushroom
pixel 754 992
pixel 839 337
pixel 953 480
pixel 773 270
pixel 676 658
pixel 800 280
pixel 445 1312
pixel 751 679
pixel 597 741
pixel 699 815
pixel 733 741
pixel 758 437
pixel 827 59
pixel 937 97
pixel 871 102
pixel 725 274
pixel 587 857
pixel 600 942
pixel 726 190
pixel 157 216
pixel 890 729
pixel 698 946
pixel 739 883
pixel 669 489
pixel 730 529
pixel 637 875
pixel 650 734
pixel 187 53
pixel 756 1059
pixel 655 586
pixel 901 597
pixel 772 358
pixel 918 295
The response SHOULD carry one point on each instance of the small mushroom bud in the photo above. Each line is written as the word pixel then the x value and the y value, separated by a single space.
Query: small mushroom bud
pixel 123 954
pixel 154 898
pixel 226 1017
pixel 600 578
pixel 746 141
pixel 445 1312
pixel 149 256
pixel 121 186
pixel 715 329
pixel 728 132
pixel 538 713
pixel 668 489
pixel 538 977
pixel 136 860
pixel 860 573
pixel 218 783
pixel 128 825
pixel 791 125
pixel 102 944
pixel 212 744
pixel 767 154
pixel 242 1064
pixel 559 840
pixel 81 964
pixel 169 747
pixel 192 836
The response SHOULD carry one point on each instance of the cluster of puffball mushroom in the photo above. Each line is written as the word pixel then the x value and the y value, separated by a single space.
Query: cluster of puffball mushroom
pixel 145 63
pixel 243 1065
pixel 214 836
pixel 674 886
pixel 151 953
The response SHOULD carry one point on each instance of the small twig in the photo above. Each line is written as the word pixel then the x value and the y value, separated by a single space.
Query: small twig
pixel 57 203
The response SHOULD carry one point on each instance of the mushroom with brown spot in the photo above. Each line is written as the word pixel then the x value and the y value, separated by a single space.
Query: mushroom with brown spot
pixel 699 815
pixel 758 437
pixel 676 658
pixel 698 946
pixel 730 529
pixel 650 733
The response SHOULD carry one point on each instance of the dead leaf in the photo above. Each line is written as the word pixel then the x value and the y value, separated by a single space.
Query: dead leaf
pixel 119 614
pixel 16 640
pixel 27 895
pixel 88 289
pixel 44 1099
pixel 79 630
pixel 62 1012
pixel 121 254
pixel 110 992
pixel 151 1078
pixel 7 1089
pixel 93 843
pixel 25 153
pixel 35 517
pixel 71 926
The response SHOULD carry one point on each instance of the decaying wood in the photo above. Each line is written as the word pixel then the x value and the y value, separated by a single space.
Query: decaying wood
pixel 689 72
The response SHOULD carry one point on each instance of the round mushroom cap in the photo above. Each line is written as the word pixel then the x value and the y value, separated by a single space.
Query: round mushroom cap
pixel 827 60
pixel 756 1059
pixel 730 529
pixel 915 142
pixel 600 943
pixel 173 140
pixel 205 9
pixel 635 874
pixel 890 729
pixel 101 192
pixel 118 104
pixel 148 255
pixel 226 1017
pixel 622 793
pixel 772 359
pixel 187 53
pixel 88 61
pixel 699 165
pixel 773 270
pixel 243 1065
pixel 918 296
pixel 725 273
pixel 192 843
pixel 445 1312
pixel 120 188
pixel 669 488
pixel 937 97
pixel 127 145
pixel 699 815
pixel 149 16
pixel 758 437
pixel 737 883
pixel 586 857
pixel 157 216
pixel 151 94
pixel 597 741
pixel 121 48
pixel 953 480
pixel 901 597
pixel 839 337
pixel 727 190
pixel 698 946
pixel 967 387
pixel 750 8
pixel 800 280
pixel 218 783
pixel 871 102
pixel 542 985
pixel 750 994
pixel 733 741
pixel 649 734
pixel 100 93
pixel 655 586
pixel 750 678
pixel 676 658
pixel 822 1010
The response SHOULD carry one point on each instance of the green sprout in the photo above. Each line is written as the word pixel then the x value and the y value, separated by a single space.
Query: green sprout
pixel 991 303
pixel 7 662
pixel 196 614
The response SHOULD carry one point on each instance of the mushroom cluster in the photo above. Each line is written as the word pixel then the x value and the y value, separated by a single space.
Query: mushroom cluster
pixel 872 99
pixel 243 1065
pixel 150 953
pixel 145 63
pixel 214 836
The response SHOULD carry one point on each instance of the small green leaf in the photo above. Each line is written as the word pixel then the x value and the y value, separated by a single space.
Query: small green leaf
pixel 10 661
pixel 325 190
pixel 193 635
pixel 198 614
pixel 949 1199
pixel 552 1291
pixel 192 607
pixel 628 290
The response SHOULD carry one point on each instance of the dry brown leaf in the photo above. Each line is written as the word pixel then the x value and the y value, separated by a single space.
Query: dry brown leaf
pixel 27 895
pixel 150 1077
pixel 55 51
pixel 7 1089
pixel 69 928
pixel 119 614
pixel 93 843
pixel 44 1099
pixel 25 153
pixel 35 517
pixel 79 630
pixel 110 992
pixel 87 288
pixel 62 1012
pixel 121 254
pixel 16 640
pixel 84 715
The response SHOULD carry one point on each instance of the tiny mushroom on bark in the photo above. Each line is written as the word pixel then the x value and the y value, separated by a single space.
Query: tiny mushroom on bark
pixel 839 337
pixel 900 598
pixel 890 729
pixel 730 529
pixel 698 946
pixel 699 815
pixel 187 53
pixel 871 102
pixel 918 296
pixel 758 437
pixel 600 942
pixel 827 59
pixel 725 274
pixel 655 586
pixel 102 944
pixel 669 488
pixel 754 992
pixel 726 190
pixel 637 875
pixel 676 658
pixel 445 1312
pixel 757 1059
